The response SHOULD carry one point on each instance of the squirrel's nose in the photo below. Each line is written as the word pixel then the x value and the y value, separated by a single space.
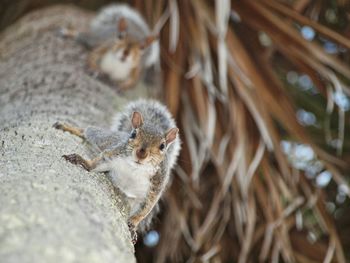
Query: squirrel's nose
pixel 141 153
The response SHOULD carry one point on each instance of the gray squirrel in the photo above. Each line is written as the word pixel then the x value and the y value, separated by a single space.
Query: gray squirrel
pixel 138 152
pixel 122 45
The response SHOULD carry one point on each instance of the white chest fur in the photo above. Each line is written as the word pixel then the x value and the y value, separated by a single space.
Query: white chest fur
pixel 113 65
pixel 132 178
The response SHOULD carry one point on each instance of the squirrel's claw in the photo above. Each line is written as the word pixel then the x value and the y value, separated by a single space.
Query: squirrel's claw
pixel 72 158
pixel 133 233
pixel 76 159
pixel 58 125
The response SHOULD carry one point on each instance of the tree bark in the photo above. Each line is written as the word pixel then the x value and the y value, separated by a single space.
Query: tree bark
pixel 51 210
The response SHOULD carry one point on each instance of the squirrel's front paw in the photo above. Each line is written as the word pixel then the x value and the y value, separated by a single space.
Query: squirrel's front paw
pixel 133 233
pixel 72 158
pixel 58 125
pixel 76 159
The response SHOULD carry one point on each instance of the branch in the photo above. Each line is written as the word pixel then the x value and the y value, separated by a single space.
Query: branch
pixel 50 210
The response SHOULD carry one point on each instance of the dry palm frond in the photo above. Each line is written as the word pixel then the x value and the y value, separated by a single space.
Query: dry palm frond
pixel 236 196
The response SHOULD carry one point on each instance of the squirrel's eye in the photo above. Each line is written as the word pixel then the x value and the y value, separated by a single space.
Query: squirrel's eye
pixel 133 134
pixel 162 146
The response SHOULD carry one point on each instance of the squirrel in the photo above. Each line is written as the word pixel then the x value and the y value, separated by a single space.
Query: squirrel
pixel 138 152
pixel 122 45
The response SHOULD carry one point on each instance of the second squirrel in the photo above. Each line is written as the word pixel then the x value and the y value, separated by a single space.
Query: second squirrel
pixel 138 153
pixel 122 45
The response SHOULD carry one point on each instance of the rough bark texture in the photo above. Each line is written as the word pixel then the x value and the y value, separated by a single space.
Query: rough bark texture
pixel 50 210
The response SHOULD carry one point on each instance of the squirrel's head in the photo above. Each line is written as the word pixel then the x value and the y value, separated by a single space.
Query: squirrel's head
pixel 131 49
pixel 148 146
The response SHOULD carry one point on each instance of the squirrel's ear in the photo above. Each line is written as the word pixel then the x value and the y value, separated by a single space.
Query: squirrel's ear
pixel 148 41
pixel 171 135
pixel 136 119
pixel 122 25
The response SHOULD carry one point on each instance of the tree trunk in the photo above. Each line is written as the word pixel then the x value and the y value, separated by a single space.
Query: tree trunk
pixel 51 210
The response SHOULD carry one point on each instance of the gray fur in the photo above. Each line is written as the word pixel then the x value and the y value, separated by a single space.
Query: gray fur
pixel 105 23
pixel 157 121
pixel 104 29
pixel 105 139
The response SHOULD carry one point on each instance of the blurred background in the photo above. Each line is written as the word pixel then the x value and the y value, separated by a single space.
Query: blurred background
pixel 260 90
